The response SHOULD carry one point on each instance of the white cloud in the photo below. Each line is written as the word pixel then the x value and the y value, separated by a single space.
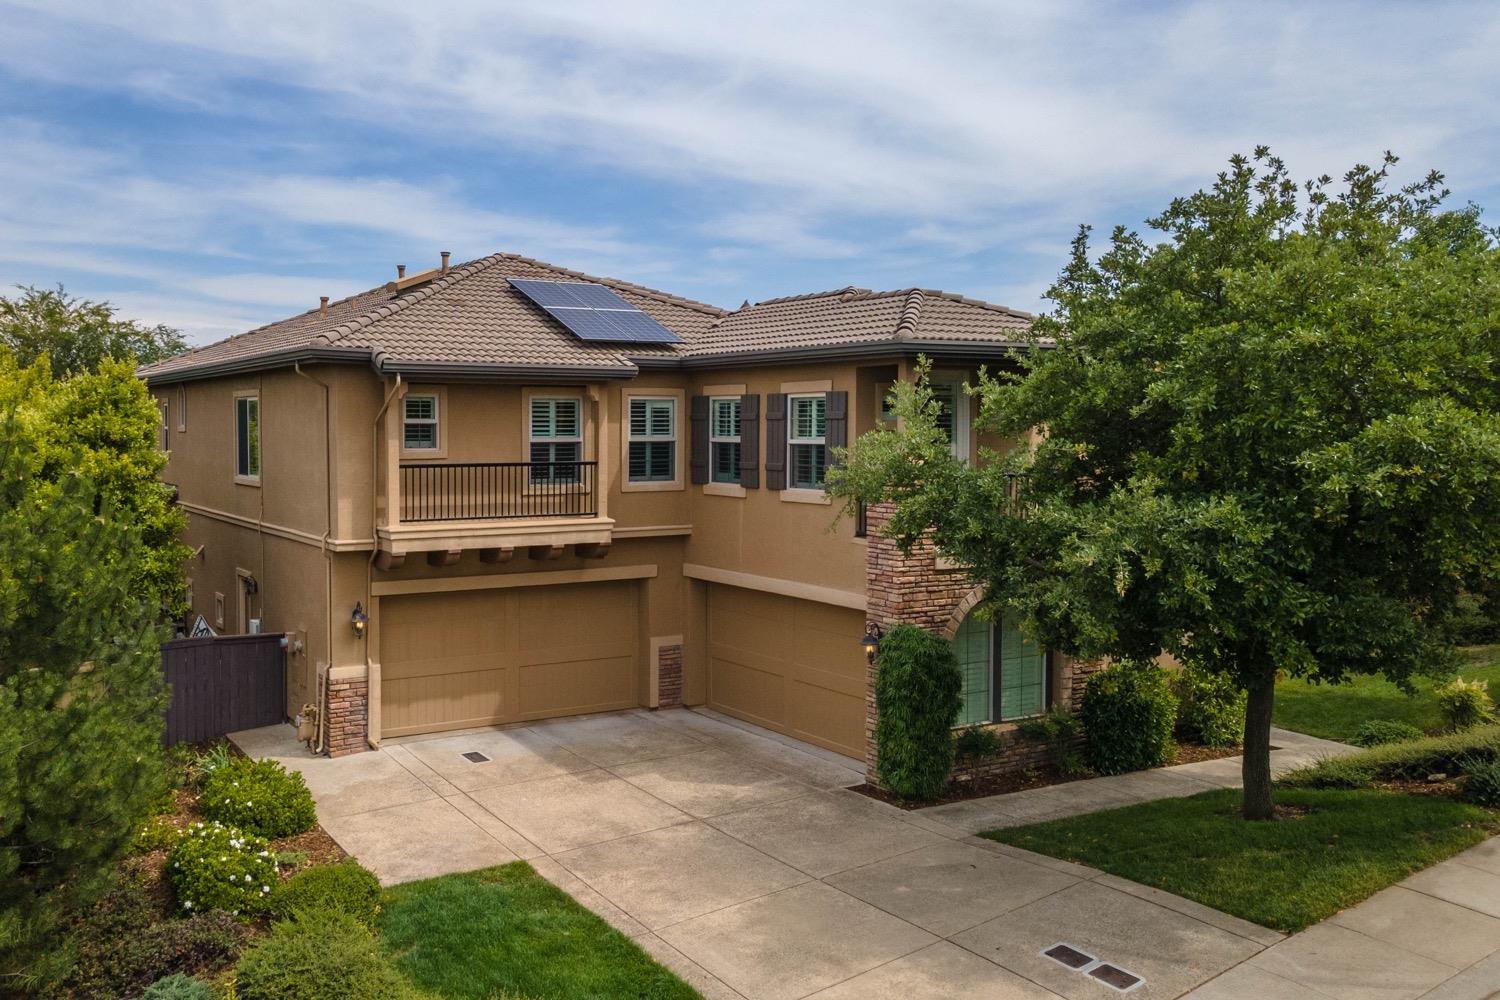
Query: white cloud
pixel 864 138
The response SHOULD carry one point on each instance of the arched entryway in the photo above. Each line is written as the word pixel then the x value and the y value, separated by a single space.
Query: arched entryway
pixel 1005 675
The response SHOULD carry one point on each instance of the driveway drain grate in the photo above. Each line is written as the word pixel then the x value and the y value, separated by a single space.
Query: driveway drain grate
pixel 475 757
pixel 1068 955
pixel 1115 977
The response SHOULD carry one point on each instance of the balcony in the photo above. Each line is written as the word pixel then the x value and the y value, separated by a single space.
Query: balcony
pixel 483 491
pixel 495 507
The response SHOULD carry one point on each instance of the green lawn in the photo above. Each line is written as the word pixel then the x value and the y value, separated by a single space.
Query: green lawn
pixel 1287 874
pixel 1335 711
pixel 506 931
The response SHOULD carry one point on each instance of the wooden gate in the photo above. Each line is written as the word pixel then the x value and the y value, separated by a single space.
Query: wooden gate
pixel 222 684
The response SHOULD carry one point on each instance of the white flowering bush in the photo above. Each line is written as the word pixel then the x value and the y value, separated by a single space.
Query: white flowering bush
pixel 216 867
pixel 259 796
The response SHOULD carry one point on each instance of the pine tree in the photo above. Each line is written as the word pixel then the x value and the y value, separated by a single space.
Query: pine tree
pixel 81 699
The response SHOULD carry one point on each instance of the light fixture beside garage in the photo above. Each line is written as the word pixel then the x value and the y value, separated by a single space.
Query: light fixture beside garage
pixel 359 620
pixel 871 640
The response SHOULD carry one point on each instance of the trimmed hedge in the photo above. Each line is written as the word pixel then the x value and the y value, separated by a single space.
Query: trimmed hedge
pixel 345 888
pixel 1413 760
pixel 1210 708
pixel 1378 732
pixel 1129 713
pixel 917 692
pixel 332 958
pixel 259 797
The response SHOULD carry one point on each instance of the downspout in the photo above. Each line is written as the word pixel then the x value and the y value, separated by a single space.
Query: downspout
pixel 321 682
pixel 374 533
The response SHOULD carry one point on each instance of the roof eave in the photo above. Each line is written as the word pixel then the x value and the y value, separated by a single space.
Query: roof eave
pixel 258 363
pixel 473 371
pixel 854 351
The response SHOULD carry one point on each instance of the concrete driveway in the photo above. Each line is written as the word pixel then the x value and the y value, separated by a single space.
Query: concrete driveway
pixel 737 858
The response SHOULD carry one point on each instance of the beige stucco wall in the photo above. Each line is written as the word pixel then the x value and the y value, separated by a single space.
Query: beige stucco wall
pixel 307 537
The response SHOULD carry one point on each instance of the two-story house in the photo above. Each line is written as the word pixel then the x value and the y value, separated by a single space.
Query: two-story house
pixel 507 491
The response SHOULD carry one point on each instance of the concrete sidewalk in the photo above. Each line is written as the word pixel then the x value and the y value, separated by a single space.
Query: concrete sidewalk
pixel 1075 798
pixel 1435 935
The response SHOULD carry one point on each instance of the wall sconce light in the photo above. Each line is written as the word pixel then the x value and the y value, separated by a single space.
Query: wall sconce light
pixel 871 641
pixel 359 620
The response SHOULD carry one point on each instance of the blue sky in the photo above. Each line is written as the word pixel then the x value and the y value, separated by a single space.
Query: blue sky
pixel 218 165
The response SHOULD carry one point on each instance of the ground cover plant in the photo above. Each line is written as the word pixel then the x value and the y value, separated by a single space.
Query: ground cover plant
pixel 1330 849
pixel 507 931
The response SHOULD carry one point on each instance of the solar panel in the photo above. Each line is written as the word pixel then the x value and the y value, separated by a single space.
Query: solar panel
pixel 593 312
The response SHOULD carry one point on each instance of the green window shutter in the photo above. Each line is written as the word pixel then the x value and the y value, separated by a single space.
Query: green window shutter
pixel 750 441
pixel 971 645
pixel 698 442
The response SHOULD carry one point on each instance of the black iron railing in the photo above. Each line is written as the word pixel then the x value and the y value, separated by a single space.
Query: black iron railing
pixel 479 491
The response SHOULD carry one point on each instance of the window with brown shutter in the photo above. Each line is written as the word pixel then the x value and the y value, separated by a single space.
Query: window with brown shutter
pixel 698 440
pixel 776 441
pixel 750 441
pixel 838 420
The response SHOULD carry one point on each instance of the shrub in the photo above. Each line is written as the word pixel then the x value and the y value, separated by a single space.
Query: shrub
pixel 1129 712
pixel 1210 708
pixel 1058 730
pixel 179 987
pixel 917 700
pixel 1412 760
pixel 1482 781
pixel 260 797
pixel 1377 732
pixel 332 958
pixel 123 943
pixel 215 867
pixel 346 888
pixel 976 741
pixel 157 833
pixel 1464 703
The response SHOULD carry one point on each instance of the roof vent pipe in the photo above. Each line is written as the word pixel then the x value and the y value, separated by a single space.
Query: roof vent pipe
pixel 400 271
pixel 322 305
pixel 444 255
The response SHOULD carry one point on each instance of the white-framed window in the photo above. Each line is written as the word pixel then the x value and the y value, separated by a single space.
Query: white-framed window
pixel 556 438
pixel 807 441
pixel 653 439
pixel 953 415
pixel 163 443
pixel 419 423
pixel 1004 673
pixel 181 408
pixel 247 437
pixel 724 439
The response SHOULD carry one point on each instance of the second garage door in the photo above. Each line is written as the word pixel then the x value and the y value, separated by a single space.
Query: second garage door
pixel 790 665
pixel 474 658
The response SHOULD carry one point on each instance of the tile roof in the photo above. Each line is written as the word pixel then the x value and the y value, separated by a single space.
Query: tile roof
pixel 471 319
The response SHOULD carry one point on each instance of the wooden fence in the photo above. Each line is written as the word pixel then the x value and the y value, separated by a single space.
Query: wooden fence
pixel 221 684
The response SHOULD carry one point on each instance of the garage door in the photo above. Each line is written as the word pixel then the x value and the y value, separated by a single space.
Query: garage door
pixel 789 665
pixel 474 658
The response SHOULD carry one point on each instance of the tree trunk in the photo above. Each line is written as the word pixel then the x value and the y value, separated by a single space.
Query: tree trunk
pixel 1256 764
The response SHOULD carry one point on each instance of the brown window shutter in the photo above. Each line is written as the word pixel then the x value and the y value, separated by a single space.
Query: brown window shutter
pixel 750 441
pixel 837 410
pixel 698 442
pixel 776 441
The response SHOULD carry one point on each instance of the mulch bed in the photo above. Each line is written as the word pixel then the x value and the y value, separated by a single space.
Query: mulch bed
pixel 961 789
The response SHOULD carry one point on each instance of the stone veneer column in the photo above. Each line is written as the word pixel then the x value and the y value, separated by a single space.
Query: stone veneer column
pixel 669 676
pixel 909 588
pixel 347 717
